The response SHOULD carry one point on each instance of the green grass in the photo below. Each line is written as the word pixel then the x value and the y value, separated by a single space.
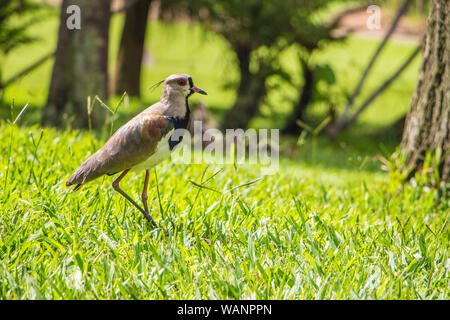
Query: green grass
pixel 287 236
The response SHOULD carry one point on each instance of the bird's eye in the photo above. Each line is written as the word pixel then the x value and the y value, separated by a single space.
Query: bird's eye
pixel 182 82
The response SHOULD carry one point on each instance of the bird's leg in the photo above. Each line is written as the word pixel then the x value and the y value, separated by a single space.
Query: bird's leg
pixel 144 191
pixel 116 187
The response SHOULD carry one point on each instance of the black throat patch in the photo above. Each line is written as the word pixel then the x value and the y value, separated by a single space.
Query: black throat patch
pixel 181 123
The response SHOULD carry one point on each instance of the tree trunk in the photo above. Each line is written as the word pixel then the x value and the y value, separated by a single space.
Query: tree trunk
pixel 250 93
pixel 80 68
pixel 303 102
pixel 129 60
pixel 427 126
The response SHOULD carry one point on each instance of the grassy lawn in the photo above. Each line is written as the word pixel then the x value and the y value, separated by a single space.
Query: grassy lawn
pixel 348 234
pixel 330 224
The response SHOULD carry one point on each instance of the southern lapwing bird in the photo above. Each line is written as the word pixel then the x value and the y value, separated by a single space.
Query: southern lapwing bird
pixel 142 142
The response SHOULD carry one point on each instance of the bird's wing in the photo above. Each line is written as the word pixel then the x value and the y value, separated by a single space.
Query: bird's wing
pixel 131 144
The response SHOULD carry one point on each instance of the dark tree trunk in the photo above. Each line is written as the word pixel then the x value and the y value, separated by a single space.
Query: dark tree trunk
pixel 427 126
pixel 80 68
pixel 129 59
pixel 305 97
pixel 250 93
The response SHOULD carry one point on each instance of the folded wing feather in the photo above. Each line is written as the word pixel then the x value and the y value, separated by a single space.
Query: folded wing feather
pixel 130 145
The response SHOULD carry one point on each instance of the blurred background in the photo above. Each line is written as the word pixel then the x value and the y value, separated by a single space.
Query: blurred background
pixel 341 72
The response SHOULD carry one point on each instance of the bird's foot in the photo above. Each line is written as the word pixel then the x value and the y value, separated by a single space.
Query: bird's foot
pixel 150 219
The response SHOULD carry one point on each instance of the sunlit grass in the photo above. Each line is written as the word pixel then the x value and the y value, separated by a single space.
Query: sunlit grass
pixel 287 236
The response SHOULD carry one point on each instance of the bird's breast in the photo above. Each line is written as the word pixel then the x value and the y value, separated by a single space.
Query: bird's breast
pixel 162 152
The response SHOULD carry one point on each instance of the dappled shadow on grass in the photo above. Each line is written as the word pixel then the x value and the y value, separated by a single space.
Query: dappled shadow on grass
pixel 358 148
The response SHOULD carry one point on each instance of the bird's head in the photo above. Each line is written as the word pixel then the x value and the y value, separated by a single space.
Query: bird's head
pixel 180 83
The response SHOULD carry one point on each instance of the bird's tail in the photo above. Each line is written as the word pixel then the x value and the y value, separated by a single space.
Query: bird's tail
pixel 73 180
pixel 76 178
pixel 87 171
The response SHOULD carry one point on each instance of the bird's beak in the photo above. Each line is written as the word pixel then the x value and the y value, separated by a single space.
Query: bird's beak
pixel 195 89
